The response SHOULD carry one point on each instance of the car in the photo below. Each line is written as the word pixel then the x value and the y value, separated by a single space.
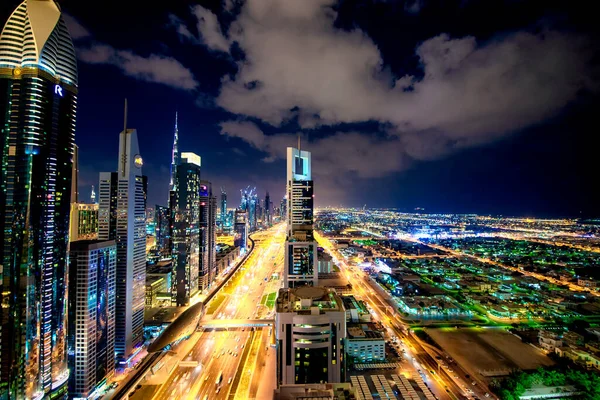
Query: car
pixel 218 390
pixel 487 394
pixel 473 383
pixel 229 380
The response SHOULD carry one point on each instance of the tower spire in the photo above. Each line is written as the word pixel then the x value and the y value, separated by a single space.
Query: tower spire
pixel 175 154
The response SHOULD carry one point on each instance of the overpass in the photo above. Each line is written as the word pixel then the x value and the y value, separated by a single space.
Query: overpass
pixel 236 323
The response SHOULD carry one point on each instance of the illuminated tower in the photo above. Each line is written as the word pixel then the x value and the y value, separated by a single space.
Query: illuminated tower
pixel 301 249
pixel 223 208
pixel 268 218
pixel 185 224
pixel 122 217
pixel 174 156
pixel 38 101
pixel 208 213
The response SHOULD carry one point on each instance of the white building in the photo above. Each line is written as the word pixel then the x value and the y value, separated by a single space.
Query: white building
pixel 91 338
pixel 365 345
pixel 300 247
pixel 310 330
pixel 122 217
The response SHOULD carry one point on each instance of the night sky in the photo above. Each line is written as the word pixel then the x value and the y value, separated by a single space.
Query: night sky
pixel 478 106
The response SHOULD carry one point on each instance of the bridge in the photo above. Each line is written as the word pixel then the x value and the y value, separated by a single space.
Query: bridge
pixel 236 323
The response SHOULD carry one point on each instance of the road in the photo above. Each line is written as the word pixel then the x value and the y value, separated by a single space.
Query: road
pixel 443 383
pixel 226 353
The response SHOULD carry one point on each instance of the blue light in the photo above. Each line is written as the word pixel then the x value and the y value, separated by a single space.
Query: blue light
pixel 58 90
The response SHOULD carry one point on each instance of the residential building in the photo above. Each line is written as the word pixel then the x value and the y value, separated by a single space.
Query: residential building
pixel 91 339
pixel 38 106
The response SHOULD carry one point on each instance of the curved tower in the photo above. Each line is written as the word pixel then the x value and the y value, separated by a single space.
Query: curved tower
pixel 38 98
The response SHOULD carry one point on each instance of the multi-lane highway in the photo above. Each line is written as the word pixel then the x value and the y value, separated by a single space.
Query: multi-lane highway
pixel 225 362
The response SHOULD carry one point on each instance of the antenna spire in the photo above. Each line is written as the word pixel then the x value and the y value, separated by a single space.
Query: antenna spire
pixel 125 117
pixel 298 141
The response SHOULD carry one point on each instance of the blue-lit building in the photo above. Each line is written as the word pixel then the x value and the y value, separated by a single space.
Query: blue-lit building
pixel 38 101
pixel 208 223
pixel 91 338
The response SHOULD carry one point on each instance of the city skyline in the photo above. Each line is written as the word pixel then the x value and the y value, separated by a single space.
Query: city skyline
pixel 531 168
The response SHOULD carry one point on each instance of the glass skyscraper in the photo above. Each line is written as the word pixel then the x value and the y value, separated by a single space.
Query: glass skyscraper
pixel 208 221
pixel 38 99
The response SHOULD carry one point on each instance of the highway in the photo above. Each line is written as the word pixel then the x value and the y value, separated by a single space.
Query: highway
pixel 220 353
pixel 443 383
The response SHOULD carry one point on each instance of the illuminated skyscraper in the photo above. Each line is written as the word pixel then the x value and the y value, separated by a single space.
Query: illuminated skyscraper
pixel 38 100
pixel 268 218
pixel 83 222
pixel 223 208
pixel 301 249
pixel 240 227
pixel 122 217
pixel 91 339
pixel 174 156
pixel 162 218
pixel 208 214
pixel 185 224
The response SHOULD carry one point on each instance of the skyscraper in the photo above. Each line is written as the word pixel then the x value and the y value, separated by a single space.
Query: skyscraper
pixel 301 249
pixel 83 222
pixel 268 217
pixel 223 208
pixel 91 339
pixel 162 218
pixel 38 101
pixel 128 186
pixel 240 228
pixel 174 156
pixel 185 224
pixel 208 213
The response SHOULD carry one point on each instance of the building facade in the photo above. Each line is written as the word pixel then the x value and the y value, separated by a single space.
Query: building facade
pixel 241 230
pixel 185 229
pixel 310 328
pixel 208 235
pixel 83 222
pixel 300 247
pixel 38 101
pixel 122 218
pixel 92 291
pixel 162 219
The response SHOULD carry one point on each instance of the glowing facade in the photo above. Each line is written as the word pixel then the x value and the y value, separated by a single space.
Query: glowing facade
pixel 300 248
pixel 38 86
pixel 208 235
pixel 185 225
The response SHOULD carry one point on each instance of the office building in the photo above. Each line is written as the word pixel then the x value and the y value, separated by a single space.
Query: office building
pixel 38 102
pixel 365 344
pixel 91 339
pixel 300 248
pixel 157 290
pixel 208 235
pixel 310 328
pixel 185 229
pixel 162 219
pixel 122 218
pixel 83 222
pixel 223 215
pixel 241 230
pixel 268 218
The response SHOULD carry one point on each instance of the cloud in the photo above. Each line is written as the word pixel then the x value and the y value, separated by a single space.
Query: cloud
pixel 299 65
pixel 153 68
pixel 413 6
pixel 208 27
pixel 76 30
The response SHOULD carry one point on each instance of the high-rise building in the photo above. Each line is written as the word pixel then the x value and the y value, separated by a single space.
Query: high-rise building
pixel 208 214
pixel 162 219
pixel 38 101
pixel 223 208
pixel 174 157
pixel 185 225
pixel 91 339
pixel 283 208
pixel 310 328
pixel 240 229
pixel 268 213
pixel 83 222
pixel 128 186
pixel 300 248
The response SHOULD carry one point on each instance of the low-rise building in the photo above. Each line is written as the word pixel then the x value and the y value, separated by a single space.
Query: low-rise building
pixel 365 344
pixel 156 289
pixel 226 256
pixel 549 340
pixel 325 391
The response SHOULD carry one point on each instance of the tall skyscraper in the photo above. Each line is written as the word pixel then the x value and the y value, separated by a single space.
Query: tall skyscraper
pixel 301 249
pixel 240 228
pixel 208 214
pixel 174 156
pixel 223 208
pixel 38 101
pixel 91 339
pixel 162 218
pixel 130 234
pixel 185 225
pixel 268 217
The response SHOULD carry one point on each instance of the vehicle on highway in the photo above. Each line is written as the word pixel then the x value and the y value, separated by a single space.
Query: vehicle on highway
pixel 229 380
pixel 219 378
pixel 218 390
